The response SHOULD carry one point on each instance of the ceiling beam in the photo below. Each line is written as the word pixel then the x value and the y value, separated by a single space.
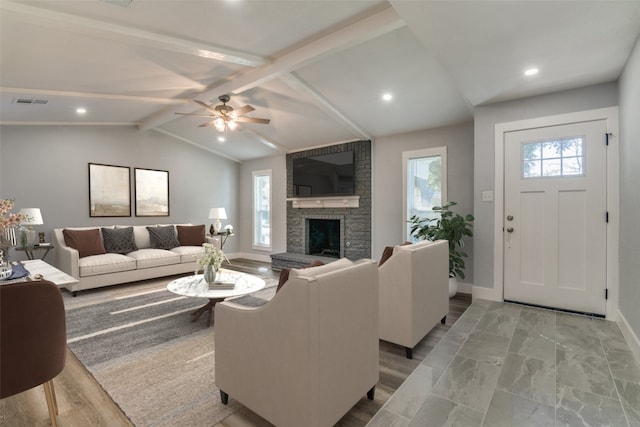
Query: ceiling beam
pixel 130 35
pixel 93 95
pixel 359 32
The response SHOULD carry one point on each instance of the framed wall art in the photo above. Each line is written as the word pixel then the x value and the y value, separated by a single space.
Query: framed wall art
pixel 109 190
pixel 152 192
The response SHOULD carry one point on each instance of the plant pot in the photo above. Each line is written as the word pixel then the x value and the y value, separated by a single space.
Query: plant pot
pixel 453 286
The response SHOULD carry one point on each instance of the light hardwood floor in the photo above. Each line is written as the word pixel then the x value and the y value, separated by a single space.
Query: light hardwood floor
pixel 82 402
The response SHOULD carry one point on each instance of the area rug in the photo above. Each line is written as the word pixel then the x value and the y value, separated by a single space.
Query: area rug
pixel 143 349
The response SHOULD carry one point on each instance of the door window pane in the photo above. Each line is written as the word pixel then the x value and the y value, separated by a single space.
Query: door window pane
pixel 553 158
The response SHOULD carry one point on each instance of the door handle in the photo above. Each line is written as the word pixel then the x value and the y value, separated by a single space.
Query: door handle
pixel 509 229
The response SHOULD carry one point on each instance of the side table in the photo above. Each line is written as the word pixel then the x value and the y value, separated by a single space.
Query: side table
pixel 29 250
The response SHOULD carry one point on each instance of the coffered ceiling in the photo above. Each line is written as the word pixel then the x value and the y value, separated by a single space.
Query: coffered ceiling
pixel 316 68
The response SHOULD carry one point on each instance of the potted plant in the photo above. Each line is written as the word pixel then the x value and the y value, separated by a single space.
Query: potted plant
pixel 450 226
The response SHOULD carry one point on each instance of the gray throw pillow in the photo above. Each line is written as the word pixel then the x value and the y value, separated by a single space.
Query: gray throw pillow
pixel 119 240
pixel 163 237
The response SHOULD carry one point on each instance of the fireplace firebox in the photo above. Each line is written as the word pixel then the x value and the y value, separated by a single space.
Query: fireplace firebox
pixel 323 237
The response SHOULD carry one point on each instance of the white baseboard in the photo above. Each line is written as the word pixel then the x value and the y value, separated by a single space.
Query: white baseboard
pixel 251 256
pixel 629 335
pixel 485 293
pixel 465 288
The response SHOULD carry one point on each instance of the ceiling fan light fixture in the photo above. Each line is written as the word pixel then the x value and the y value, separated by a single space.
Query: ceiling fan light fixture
pixel 232 124
pixel 219 124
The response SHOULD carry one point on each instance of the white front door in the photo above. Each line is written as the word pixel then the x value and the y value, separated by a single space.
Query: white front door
pixel 555 207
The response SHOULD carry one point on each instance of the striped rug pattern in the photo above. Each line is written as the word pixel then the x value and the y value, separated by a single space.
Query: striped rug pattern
pixel 143 349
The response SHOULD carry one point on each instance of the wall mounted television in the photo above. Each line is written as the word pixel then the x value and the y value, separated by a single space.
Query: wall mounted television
pixel 324 175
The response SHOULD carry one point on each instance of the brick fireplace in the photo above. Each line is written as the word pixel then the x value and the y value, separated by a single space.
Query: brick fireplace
pixel 352 219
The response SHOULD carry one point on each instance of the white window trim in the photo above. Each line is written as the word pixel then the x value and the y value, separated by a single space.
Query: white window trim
pixel 255 245
pixel 416 154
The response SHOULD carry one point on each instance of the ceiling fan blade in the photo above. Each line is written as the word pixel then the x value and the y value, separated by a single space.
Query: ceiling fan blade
pixel 242 110
pixel 205 124
pixel 206 106
pixel 252 120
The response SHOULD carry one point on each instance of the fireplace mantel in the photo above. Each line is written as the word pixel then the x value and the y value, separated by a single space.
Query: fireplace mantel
pixel 325 202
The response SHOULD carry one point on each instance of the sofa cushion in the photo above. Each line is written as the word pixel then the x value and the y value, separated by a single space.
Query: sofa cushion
pixel 141 236
pixel 188 253
pixel 119 240
pixel 191 235
pixel 104 264
pixel 163 237
pixel 86 242
pixel 284 273
pixel 323 269
pixel 148 258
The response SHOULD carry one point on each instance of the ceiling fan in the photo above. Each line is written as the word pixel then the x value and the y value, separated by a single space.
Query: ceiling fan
pixel 224 116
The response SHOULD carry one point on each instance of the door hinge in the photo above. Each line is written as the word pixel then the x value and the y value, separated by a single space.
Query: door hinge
pixel 607 135
pixel 606 294
pixel 606 216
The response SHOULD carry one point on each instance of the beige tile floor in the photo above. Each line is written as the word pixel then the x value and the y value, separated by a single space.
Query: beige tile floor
pixel 509 365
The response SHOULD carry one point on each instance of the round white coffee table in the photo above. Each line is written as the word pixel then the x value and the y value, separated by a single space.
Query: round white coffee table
pixel 195 286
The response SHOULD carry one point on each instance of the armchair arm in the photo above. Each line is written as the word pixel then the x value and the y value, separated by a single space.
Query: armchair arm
pixel 65 256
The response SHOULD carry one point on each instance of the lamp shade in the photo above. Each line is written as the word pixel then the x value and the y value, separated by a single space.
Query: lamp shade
pixel 34 217
pixel 217 213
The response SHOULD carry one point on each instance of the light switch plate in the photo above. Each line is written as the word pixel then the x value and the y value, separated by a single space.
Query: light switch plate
pixel 487 196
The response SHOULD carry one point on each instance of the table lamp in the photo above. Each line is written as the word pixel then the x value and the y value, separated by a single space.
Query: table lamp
pixel 218 214
pixel 33 217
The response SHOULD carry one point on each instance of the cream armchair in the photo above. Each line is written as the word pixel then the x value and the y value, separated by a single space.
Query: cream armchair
pixel 308 355
pixel 414 292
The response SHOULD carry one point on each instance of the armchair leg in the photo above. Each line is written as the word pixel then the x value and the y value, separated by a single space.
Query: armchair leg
pixel 409 352
pixel 371 393
pixel 52 404
pixel 443 320
pixel 224 397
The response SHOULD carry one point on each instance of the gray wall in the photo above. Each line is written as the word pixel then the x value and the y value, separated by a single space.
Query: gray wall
pixel 387 181
pixel 47 167
pixel 277 165
pixel 485 118
pixel 629 194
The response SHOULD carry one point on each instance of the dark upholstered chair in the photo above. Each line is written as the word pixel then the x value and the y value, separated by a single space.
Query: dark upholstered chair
pixel 33 339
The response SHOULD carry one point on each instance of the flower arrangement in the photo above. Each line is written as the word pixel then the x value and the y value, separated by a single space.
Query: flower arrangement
pixel 212 256
pixel 8 219
pixel 8 222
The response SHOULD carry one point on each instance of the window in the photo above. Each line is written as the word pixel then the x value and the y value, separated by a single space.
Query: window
pixel 553 158
pixel 262 210
pixel 424 183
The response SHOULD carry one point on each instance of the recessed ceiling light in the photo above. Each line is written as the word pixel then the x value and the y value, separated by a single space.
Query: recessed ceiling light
pixel 531 72
pixel 81 110
pixel 387 97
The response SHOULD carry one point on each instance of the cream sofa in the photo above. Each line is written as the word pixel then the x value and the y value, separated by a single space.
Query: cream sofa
pixel 108 269
pixel 414 292
pixel 309 354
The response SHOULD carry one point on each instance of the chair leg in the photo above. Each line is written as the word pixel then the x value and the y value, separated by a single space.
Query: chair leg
pixel 224 397
pixel 409 352
pixel 443 320
pixel 371 393
pixel 52 405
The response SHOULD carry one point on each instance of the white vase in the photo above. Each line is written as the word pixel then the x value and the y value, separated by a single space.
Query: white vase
pixel 453 286
pixel 209 274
